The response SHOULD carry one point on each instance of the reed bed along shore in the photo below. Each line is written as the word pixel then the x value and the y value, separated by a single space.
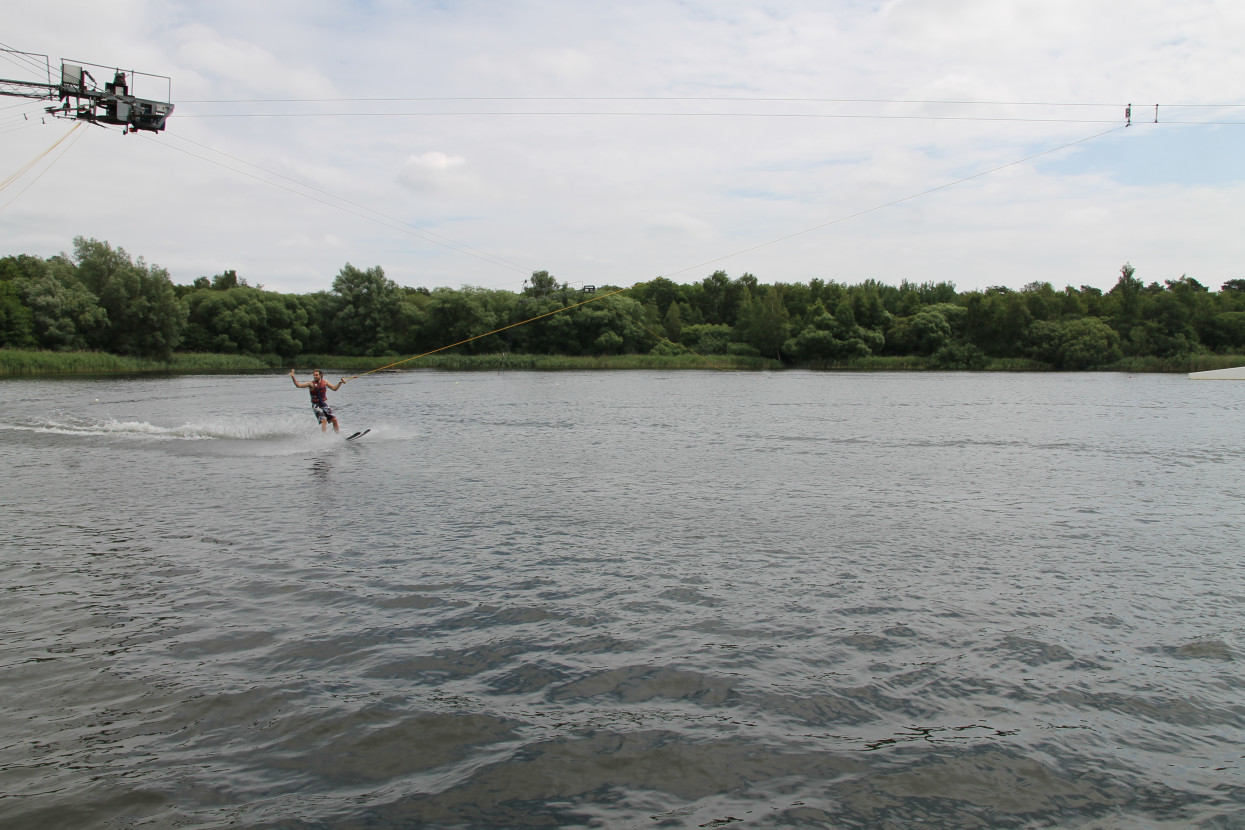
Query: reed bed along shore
pixel 26 362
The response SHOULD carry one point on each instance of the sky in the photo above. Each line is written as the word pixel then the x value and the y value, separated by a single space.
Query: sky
pixel 976 142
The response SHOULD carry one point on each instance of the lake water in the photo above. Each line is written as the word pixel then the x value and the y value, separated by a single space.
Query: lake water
pixel 624 600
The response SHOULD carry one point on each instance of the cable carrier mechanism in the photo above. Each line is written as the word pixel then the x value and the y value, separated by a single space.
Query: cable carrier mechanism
pixel 81 98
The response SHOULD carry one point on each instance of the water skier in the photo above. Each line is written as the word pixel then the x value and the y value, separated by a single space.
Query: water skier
pixel 319 397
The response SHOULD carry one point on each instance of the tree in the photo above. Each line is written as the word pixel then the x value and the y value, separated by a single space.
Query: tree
pixel 867 306
pixel 363 312
pixel 624 315
pixel 1200 307
pixel 955 315
pixel 227 322
pixel 959 356
pixel 548 336
pixel 410 320
pixel 673 323
pixel 1126 300
pixel 64 313
pixel 1074 344
pixel 923 333
pixel 1074 303
pixel 540 284
pixel 246 320
pixel 764 326
pixel 996 321
pixel 1042 301
pixel 660 291
pixel 608 343
pixel 1087 343
pixel 833 337
pixel 706 339
pixel 455 316
pixel 1163 330
pixel 227 280
pixel 718 299
pixel 17 324
pixel 609 326
pixel 287 332
pixel 101 298
pixel 1228 332
pixel 145 316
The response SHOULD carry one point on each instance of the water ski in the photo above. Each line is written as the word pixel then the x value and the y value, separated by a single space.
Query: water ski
pixel 359 434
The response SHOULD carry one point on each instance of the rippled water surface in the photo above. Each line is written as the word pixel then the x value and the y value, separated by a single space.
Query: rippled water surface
pixel 634 600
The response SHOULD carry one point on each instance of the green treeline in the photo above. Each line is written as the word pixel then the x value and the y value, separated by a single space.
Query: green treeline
pixel 100 299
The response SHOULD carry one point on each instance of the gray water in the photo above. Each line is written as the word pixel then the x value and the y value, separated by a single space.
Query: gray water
pixel 623 600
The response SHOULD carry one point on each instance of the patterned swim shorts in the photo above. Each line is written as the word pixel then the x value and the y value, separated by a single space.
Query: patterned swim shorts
pixel 323 413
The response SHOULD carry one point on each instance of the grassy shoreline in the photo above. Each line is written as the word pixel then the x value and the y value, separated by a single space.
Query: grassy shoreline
pixel 24 362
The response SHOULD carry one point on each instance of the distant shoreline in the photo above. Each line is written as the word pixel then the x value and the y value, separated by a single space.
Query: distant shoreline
pixel 16 362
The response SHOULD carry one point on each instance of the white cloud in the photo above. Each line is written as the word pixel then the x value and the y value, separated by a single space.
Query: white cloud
pixel 432 172
pixel 680 226
pixel 322 243
pixel 469 152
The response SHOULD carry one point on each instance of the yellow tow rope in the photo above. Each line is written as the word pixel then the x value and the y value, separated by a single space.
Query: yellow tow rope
pixel 27 167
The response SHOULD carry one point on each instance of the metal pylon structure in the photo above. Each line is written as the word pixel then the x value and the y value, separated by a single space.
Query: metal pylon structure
pixel 79 96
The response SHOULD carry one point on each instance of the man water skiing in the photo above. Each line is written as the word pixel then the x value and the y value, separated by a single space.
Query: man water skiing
pixel 319 397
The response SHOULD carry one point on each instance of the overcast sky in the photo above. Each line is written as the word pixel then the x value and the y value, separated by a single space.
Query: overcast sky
pixel 471 143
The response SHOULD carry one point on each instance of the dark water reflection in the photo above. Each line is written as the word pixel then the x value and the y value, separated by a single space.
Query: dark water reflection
pixel 624 600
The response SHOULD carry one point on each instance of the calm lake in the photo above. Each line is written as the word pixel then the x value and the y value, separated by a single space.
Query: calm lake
pixel 624 600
